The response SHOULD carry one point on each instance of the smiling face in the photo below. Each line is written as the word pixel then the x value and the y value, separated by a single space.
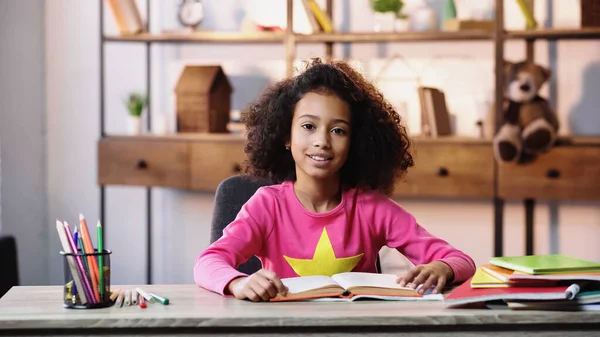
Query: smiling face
pixel 320 136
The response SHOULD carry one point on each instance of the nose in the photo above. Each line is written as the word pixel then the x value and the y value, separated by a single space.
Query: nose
pixel 321 139
pixel 525 87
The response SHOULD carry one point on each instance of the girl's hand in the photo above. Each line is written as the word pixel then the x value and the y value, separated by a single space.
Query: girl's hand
pixel 434 273
pixel 262 285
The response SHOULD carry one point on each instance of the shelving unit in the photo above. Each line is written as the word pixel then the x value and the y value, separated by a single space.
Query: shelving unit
pixel 453 166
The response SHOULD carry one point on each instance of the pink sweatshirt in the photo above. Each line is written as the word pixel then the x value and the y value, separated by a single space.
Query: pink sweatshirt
pixel 292 241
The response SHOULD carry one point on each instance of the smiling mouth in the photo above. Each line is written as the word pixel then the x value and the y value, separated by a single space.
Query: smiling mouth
pixel 320 158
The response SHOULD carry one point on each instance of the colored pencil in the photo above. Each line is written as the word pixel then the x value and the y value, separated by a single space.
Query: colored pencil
pixel 89 249
pixel 134 297
pixel 142 301
pixel 100 259
pixel 87 287
pixel 145 295
pixel 160 299
pixel 85 261
pixel 67 249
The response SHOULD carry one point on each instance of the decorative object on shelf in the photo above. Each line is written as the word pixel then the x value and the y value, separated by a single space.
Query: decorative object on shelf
pixel 423 17
pixel 190 13
pixel 135 103
pixel 590 13
pixel 203 99
pixel 386 13
pixel 127 16
pixel 530 22
pixel 449 10
pixel 529 125
pixel 475 16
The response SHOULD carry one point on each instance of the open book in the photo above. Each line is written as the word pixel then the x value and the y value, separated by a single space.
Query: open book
pixel 350 287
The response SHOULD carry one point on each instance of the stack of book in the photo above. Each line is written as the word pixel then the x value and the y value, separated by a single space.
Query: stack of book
pixel 535 282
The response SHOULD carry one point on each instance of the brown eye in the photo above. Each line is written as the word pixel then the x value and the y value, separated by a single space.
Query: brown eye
pixel 308 126
pixel 339 131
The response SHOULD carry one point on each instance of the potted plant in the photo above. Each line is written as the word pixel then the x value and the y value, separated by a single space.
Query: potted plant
pixel 387 13
pixel 135 103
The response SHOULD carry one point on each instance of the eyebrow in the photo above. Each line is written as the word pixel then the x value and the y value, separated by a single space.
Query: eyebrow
pixel 338 120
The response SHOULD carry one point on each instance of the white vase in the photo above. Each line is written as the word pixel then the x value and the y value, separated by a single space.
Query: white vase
pixel 401 25
pixel 134 125
pixel 383 22
pixel 423 19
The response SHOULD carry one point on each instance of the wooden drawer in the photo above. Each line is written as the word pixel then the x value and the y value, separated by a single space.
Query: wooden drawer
pixel 449 170
pixel 213 161
pixel 570 172
pixel 143 162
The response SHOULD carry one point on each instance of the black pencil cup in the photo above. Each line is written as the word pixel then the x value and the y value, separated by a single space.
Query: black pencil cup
pixel 83 274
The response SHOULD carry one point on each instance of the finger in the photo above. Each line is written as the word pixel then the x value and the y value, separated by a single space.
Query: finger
pixel 427 284
pixel 260 291
pixel 274 278
pixel 268 286
pixel 406 278
pixel 419 279
pixel 251 295
pixel 440 285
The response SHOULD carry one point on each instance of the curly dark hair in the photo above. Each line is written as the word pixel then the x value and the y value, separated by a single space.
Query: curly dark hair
pixel 379 144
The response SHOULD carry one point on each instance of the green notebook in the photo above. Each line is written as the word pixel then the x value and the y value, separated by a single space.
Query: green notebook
pixel 545 264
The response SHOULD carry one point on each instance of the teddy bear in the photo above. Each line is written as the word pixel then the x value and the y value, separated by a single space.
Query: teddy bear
pixel 529 125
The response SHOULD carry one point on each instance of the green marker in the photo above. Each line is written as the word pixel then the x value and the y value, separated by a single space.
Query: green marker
pixel 162 300
pixel 100 262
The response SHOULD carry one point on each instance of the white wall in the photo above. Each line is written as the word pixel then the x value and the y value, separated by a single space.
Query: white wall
pixel 22 134
pixel 182 219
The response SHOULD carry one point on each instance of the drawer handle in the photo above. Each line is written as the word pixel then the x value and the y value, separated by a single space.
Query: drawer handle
pixel 237 168
pixel 443 172
pixel 553 173
pixel 141 164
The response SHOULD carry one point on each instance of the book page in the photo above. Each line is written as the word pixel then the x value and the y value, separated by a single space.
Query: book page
pixel 306 283
pixel 354 279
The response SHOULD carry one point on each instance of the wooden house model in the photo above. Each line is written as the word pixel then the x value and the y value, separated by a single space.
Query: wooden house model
pixel 203 99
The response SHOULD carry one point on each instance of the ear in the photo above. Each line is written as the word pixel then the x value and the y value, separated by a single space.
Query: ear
pixel 546 72
pixel 287 145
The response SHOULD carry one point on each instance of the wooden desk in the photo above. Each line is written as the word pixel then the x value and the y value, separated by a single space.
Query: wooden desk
pixel 193 311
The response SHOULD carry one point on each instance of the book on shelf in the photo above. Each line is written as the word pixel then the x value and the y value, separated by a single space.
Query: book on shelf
pixel 351 286
pixel 435 119
pixel 127 16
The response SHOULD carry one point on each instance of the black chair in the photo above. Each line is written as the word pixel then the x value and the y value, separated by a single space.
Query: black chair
pixel 231 194
pixel 8 264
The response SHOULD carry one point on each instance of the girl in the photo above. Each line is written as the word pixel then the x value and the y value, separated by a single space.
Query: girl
pixel 334 147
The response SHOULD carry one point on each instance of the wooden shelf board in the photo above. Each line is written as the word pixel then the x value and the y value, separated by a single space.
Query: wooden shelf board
pixel 372 37
pixel 181 137
pixel 201 37
pixel 555 34
pixel 273 37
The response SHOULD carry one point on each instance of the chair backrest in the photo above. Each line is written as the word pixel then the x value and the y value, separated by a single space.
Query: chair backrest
pixel 231 194
pixel 8 263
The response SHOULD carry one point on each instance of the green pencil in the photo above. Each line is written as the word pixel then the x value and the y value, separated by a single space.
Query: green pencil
pixel 100 261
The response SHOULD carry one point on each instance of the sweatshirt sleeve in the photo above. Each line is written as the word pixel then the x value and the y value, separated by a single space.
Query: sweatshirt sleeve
pixel 398 229
pixel 216 266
